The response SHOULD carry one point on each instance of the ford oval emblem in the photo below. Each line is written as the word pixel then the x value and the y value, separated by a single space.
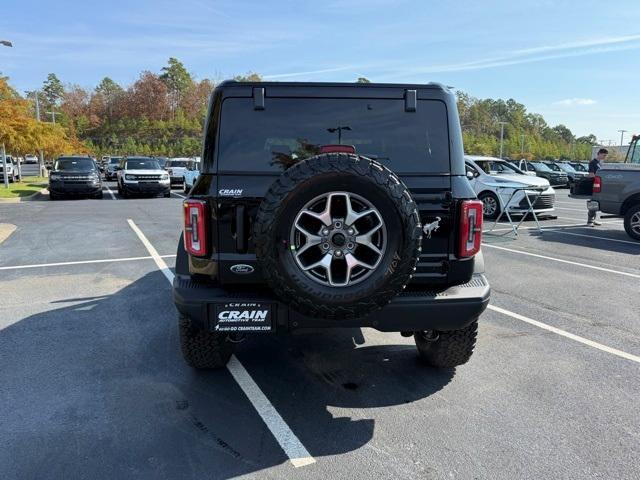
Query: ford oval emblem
pixel 242 269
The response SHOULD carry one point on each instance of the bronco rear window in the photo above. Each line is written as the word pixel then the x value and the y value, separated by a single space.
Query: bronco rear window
pixel 289 130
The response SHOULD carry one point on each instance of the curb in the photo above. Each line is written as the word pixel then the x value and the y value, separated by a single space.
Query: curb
pixel 28 198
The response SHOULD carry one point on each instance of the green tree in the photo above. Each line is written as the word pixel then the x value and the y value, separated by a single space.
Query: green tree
pixel 110 91
pixel 53 90
pixel 177 80
pixel 249 77
pixel 363 80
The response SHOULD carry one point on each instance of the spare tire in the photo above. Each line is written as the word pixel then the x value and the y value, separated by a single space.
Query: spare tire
pixel 337 236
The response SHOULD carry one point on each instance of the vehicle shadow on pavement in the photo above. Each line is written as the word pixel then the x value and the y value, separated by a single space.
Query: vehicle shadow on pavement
pixel 557 236
pixel 98 389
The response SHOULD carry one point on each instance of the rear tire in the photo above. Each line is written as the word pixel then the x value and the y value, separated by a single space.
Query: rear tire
pixel 631 222
pixel 490 205
pixel 449 348
pixel 202 349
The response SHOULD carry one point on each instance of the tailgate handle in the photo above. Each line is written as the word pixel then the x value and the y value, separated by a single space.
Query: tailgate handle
pixel 241 241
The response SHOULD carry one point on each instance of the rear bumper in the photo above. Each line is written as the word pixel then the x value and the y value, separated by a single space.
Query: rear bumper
pixel 449 309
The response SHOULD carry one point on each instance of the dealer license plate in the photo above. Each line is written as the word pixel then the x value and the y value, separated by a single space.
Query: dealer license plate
pixel 242 317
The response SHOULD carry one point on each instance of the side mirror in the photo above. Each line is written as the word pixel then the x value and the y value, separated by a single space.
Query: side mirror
pixel 470 175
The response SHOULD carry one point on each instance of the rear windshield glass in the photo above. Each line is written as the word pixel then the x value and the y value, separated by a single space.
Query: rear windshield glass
pixel 142 165
pixel 289 130
pixel 177 163
pixel 114 160
pixel 74 164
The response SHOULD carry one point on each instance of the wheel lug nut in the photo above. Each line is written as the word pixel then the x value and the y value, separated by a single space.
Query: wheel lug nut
pixel 350 231
pixel 338 253
pixel 325 231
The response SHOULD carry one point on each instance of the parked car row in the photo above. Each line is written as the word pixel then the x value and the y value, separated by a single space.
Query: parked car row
pixel 182 171
pixel 496 182
pixel 80 176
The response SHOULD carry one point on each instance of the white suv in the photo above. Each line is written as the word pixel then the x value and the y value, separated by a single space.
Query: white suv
pixel 142 175
pixel 485 172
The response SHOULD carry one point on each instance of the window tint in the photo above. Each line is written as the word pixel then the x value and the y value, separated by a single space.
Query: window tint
pixel 74 164
pixel 567 168
pixel 289 130
pixel 540 167
pixel 177 163
pixel 493 167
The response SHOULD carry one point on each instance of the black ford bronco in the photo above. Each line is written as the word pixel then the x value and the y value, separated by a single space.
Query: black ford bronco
pixel 325 205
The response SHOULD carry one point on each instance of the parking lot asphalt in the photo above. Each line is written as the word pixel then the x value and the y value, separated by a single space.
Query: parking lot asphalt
pixel 94 386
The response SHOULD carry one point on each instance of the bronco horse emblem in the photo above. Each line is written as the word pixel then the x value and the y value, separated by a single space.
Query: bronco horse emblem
pixel 429 228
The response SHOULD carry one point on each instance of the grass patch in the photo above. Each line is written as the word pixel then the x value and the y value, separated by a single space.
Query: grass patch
pixel 28 186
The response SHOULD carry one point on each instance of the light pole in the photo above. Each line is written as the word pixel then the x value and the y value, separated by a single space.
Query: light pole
pixel 622 132
pixel 4 168
pixel 339 130
pixel 53 115
pixel 502 124
pixel 6 43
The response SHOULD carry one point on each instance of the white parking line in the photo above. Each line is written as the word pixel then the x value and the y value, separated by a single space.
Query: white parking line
pixel 577 338
pixel 113 197
pixel 291 445
pixel 560 260
pixel 583 210
pixel 297 453
pixel 81 262
pixel 181 196
pixel 162 265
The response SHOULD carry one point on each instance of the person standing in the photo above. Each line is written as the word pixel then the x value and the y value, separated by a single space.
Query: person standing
pixel 594 166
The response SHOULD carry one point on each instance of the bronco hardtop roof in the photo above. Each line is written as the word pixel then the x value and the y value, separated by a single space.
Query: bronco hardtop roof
pixel 334 89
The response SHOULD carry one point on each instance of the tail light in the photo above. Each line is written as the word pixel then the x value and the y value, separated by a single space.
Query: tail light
pixel 470 229
pixel 195 227
pixel 597 184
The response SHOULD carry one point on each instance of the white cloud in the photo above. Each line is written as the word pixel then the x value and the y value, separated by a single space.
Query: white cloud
pixel 572 102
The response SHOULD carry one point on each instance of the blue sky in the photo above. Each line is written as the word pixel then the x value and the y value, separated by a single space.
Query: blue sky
pixel 577 63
